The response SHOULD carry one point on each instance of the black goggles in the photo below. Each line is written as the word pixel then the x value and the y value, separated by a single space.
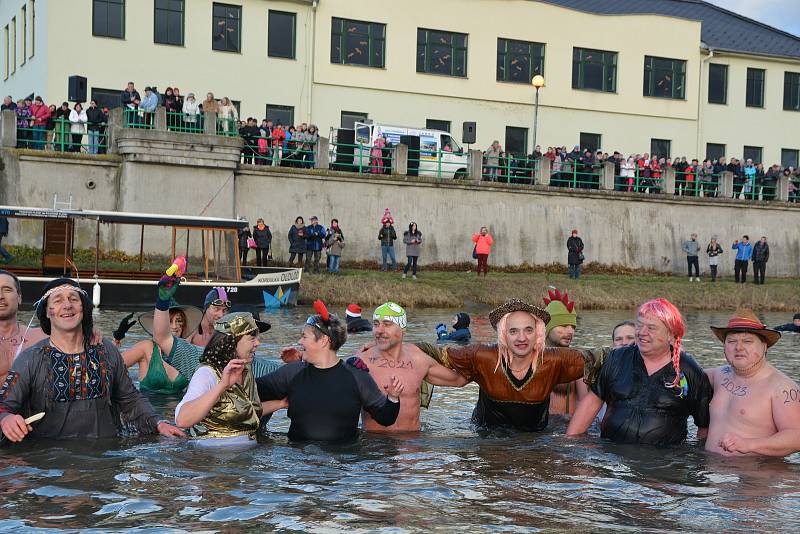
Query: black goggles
pixel 220 303
pixel 319 325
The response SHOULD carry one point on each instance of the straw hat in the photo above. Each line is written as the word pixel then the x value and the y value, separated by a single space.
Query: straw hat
pixel 193 317
pixel 515 305
pixel 744 320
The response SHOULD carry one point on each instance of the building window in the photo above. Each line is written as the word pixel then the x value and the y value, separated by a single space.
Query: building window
pixel 108 18
pixel 226 30
pixel 350 118
pixel 516 141
pixel 354 42
pixel 664 77
pixel 435 124
pixel 13 45
pixel 281 34
pixel 33 25
pixel 790 157
pixel 714 151
pixel 754 153
pixel 717 84
pixel 105 98
pixel 280 114
pixel 791 91
pixel 661 148
pixel 519 61
pixel 755 88
pixel 23 18
pixel 5 53
pixel 594 70
pixel 440 52
pixel 169 20
pixel 590 141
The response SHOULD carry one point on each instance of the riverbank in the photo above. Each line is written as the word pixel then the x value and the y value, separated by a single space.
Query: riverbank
pixel 591 292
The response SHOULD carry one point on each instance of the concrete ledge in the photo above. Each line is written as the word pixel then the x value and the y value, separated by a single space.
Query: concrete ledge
pixel 193 150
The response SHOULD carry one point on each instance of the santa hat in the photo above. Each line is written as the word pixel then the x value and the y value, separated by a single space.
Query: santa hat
pixel 353 310
pixel 387 217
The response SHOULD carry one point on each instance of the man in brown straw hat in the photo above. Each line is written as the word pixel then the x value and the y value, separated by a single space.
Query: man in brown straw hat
pixel 756 408
pixel 517 375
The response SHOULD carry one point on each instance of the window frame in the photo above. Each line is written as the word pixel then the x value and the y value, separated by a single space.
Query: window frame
pixel 13 45
pixel 654 141
pixel 102 93
pixel 649 88
pixel 715 145
pixel 280 108
pixel 430 124
pixel 747 95
pixel 238 9
pixel 794 151
pixel 293 15
pixel 579 81
pixel 156 9
pixel 23 17
pixel 32 3
pixel 583 147
pixel 759 149
pixel 791 102
pixel 6 51
pixel 724 99
pixel 362 117
pixel 426 48
pixel 504 59
pixel 122 3
pixel 525 138
pixel 341 35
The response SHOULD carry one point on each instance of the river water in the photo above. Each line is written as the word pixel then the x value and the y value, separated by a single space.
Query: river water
pixel 444 479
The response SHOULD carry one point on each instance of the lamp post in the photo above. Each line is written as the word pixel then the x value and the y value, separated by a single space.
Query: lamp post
pixel 538 83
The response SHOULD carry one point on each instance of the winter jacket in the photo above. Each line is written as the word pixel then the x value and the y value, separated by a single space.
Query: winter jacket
pixel 149 103
pixel 78 121
pixel 244 235
pixel 761 252
pixel 492 156
pixel 263 238
pixel 334 243
pixel 297 239
pixel 690 247
pixel 210 105
pixel 574 250
pixel 40 114
pixel 413 242
pixel 743 251
pixel 191 109
pixel 713 252
pixel 387 235
pixel 315 235
pixel 126 98
pixel 23 117
pixel 96 117
pixel 483 243
pixel 358 324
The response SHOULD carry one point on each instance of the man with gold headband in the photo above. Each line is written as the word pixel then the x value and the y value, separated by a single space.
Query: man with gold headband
pixel 517 375
pixel 77 389
pixel 756 408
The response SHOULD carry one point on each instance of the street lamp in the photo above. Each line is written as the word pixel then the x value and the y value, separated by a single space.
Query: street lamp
pixel 538 83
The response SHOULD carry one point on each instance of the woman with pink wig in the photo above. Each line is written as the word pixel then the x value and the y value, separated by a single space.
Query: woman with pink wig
pixel 651 387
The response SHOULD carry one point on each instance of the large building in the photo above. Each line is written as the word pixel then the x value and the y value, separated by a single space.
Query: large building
pixel 672 77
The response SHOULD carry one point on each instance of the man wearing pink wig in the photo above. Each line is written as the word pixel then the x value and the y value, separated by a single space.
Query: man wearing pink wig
pixel 650 387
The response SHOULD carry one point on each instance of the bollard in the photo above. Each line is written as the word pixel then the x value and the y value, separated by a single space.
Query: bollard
pixel 543 171
pixel 668 175
pixel 607 177
pixel 475 165
pixel 400 160
pixel 210 123
pixel 8 129
pixel 727 185
pixel 783 189
pixel 322 159
pixel 160 119
pixel 115 119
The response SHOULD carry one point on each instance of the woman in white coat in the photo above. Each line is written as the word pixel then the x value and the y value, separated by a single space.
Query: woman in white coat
pixel 77 121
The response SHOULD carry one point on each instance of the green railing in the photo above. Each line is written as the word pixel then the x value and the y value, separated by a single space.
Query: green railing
pixel 511 170
pixel 435 163
pixel 360 158
pixel 184 122
pixel 708 184
pixel 227 127
pixel 136 118
pixel 261 151
pixel 645 181
pixel 61 139
pixel 759 188
pixel 578 176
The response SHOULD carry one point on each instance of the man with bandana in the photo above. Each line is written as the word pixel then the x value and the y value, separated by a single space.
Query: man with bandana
pixel 14 336
pixel 756 408
pixel 390 357
pixel 517 375
pixel 82 388
pixel 215 306
pixel 559 332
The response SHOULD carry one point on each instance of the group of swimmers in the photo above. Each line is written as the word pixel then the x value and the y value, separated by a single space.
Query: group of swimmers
pixel 646 387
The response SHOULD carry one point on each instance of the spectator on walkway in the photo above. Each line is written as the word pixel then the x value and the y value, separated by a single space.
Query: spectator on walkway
pixel 574 255
pixel 171 103
pixel 128 95
pixel 250 134
pixel 760 259
pixel 297 241
pixel 263 238
pixel 483 247
pixel 744 252
pixel 7 257
pixel 77 127
pixel 210 105
pixel 62 139
pixel 492 156
pixel 50 128
pixel 749 178
pixel 413 240
pixel 264 156
pixel 228 115
pixel 707 180
pixel 191 110
pixel 334 244
pixel 245 239
pixel 8 104
pixel 387 237
pixel 692 248
pixel 628 174
pixel 770 182
pixel 713 250
pixel 24 121
pixel 278 138
pixel 96 119
pixel 376 156
pixel 40 114
pixel 148 104
pixel 309 144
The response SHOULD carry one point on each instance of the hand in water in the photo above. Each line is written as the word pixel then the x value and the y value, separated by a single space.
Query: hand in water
pixel 394 389
pixel 291 354
pixel 166 429
pixel 732 442
pixel 14 428
pixel 233 372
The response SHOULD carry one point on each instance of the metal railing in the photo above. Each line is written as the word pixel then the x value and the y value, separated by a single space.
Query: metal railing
pixel 439 164
pixel 510 169
pixel 93 139
pixel 577 176
pixel 184 122
pixel 137 118
pixel 643 180
pixel 264 151
pixel 361 158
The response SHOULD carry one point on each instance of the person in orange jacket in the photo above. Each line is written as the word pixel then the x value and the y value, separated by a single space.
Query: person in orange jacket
pixel 483 247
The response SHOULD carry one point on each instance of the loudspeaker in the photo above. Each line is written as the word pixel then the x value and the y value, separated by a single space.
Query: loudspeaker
pixel 344 154
pixel 412 142
pixel 469 133
pixel 77 89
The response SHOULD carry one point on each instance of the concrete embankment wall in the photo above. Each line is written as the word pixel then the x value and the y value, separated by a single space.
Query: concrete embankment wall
pixel 529 224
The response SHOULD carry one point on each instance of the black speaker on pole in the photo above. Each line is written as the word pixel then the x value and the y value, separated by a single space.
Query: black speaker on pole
pixel 469 133
pixel 345 141
pixel 77 89
pixel 412 142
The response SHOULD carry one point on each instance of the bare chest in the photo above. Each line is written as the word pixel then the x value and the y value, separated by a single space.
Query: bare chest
pixel 405 368
pixel 740 403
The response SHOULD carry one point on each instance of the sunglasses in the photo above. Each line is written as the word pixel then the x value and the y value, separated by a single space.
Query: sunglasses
pixel 220 303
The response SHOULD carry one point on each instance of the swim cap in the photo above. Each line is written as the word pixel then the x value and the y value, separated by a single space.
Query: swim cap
pixel 390 311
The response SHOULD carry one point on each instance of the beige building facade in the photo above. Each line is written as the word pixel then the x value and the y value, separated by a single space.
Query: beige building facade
pixel 635 82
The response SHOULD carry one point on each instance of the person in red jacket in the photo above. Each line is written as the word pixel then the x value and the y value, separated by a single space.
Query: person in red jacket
pixel 40 113
pixel 278 137
pixel 483 247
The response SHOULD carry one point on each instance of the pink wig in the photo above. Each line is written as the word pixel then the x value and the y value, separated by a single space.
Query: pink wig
pixel 667 313
pixel 504 353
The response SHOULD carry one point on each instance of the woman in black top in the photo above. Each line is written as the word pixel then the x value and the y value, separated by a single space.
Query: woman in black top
pixel 325 394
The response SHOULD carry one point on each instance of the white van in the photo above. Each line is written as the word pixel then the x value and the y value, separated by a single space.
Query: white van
pixel 440 156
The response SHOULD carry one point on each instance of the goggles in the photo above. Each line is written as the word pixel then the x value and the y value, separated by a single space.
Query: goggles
pixel 319 325
pixel 220 303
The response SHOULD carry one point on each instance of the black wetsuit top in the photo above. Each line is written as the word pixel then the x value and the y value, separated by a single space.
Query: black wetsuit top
pixel 788 327
pixel 641 409
pixel 325 404
pixel 358 324
pixel 460 335
pixel 525 416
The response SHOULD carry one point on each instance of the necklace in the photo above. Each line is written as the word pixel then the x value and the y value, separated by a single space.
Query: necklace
pixel 4 339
